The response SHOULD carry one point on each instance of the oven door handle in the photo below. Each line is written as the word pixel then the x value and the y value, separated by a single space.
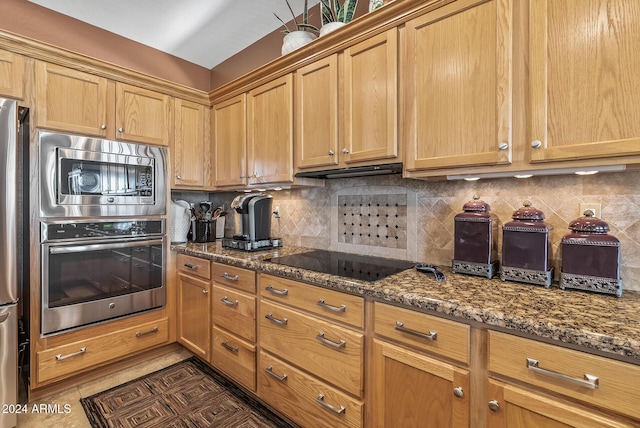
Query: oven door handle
pixel 68 249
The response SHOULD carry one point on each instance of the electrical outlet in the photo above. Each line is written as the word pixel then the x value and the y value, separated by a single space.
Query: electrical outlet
pixel 595 207
pixel 276 210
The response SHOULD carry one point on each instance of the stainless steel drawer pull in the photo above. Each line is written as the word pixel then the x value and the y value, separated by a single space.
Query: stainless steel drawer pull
pixel 341 308
pixel 61 357
pixel 153 330
pixel 229 347
pixel 190 266
pixel 226 301
pixel 271 318
pixel 433 335
pixel 271 373
pixel 321 338
pixel 230 278
pixel 589 381
pixel 320 400
pixel 276 291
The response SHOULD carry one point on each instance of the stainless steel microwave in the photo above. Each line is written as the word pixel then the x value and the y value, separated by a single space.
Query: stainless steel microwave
pixel 90 177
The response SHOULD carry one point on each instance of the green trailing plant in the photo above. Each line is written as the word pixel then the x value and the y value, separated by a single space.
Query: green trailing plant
pixel 333 11
pixel 302 26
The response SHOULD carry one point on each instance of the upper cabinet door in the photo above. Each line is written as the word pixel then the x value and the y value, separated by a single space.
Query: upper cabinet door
pixel 584 82
pixel 70 100
pixel 11 75
pixel 270 131
pixel 370 79
pixel 229 123
pixel 142 115
pixel 458 86
pixel 191 158
pixel 316 113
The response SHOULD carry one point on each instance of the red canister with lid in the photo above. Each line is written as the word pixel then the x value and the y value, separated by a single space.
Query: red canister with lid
pixel 591 257
pixel 476 240
pixel 526 250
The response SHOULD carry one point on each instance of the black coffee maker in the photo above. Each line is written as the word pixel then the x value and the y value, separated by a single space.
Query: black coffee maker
pixel 252 213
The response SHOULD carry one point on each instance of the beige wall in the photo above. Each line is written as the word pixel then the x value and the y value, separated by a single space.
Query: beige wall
pixel 33 21
pixel 314 218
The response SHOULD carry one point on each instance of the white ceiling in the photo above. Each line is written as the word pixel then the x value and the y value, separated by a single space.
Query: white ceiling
pixel 205 32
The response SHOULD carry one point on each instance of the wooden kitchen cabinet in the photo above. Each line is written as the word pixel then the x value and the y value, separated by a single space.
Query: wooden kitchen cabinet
pixel 229 130
pixel 370 101
pixel 583 82
pixel 233 312
pixel 12 73
pixel 194 305
pixel 270 132
pixel 316 114
pixel 458 86
pixel 311 365
pixel 411 387
pixel 586 381
pixel 191 149
pixel 74 101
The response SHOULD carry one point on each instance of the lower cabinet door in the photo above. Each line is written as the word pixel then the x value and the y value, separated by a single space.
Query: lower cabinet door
pixel 303 398
pixel 512 406
pixel 413 390
pixel 194 315
pixel 235 357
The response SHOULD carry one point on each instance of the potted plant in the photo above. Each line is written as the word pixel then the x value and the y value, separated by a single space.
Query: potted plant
pixel 335 15
pixel 303 33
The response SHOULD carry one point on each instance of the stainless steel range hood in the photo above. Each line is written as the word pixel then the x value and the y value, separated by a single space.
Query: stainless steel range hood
pixel 358 171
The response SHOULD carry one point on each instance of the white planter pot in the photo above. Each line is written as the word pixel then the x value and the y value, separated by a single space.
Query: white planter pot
pixel 330 26
pixel 295 40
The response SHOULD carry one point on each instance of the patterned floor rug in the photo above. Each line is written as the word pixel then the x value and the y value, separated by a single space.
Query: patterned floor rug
pixel 186 394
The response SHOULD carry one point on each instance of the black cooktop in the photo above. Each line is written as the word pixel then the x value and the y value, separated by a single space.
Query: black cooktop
pixel 354 266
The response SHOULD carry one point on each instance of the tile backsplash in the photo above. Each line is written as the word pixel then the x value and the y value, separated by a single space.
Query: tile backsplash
pixel 412 219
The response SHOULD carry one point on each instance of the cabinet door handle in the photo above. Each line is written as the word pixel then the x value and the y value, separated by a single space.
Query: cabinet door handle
pixel 273 319
pixel 536 144
pixel 341 308
pixel 331 153
pixel 153 330
pixel 103 126
pixel 283 292
pixel 190 266
pixel 345 151
pixel 270 372
pixel 120 129
pixel 494 406
pixel 229 347
pixel 503 146
pixel 339 345
pixel 61 357
pixel 230 278
pixel 179 177
pixel 433 335
pixel 205 292
pixel 458 392
pixel 590 381
pixel 320 400
pixel 226 301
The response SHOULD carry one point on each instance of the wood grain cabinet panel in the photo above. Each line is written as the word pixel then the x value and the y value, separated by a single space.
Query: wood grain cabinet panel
pixel 194 315
pixel 71 100
pixel 191 149
pixel 370 102
pixel 235 311
pixel 142 115
pixel 583 81
pixel 458 86
pixel 229 131
pixel 12 75
pixel 270 132
pixel 235 357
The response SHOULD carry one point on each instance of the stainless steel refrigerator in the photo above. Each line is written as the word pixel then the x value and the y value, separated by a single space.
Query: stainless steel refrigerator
pixel 12 250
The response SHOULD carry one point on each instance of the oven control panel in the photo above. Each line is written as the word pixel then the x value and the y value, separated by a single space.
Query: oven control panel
pixel 100 229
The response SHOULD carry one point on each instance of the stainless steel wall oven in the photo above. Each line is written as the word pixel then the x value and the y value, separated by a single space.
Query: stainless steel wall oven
pixel 97 270
pixel 90 177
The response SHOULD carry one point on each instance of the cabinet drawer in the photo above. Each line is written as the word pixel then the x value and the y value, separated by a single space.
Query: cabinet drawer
pixel 194 266
pixel 565 371
pixel 235 357
pixel 332 353
pixel 303 398
pixel 74 357
pixel 231 276
pixel 334 304
pixel 448 338
pixel 234 311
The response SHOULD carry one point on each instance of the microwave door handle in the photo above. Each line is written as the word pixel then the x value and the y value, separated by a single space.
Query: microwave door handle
pixel 97 247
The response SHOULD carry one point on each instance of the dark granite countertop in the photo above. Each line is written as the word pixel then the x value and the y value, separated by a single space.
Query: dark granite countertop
pixel 604 324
